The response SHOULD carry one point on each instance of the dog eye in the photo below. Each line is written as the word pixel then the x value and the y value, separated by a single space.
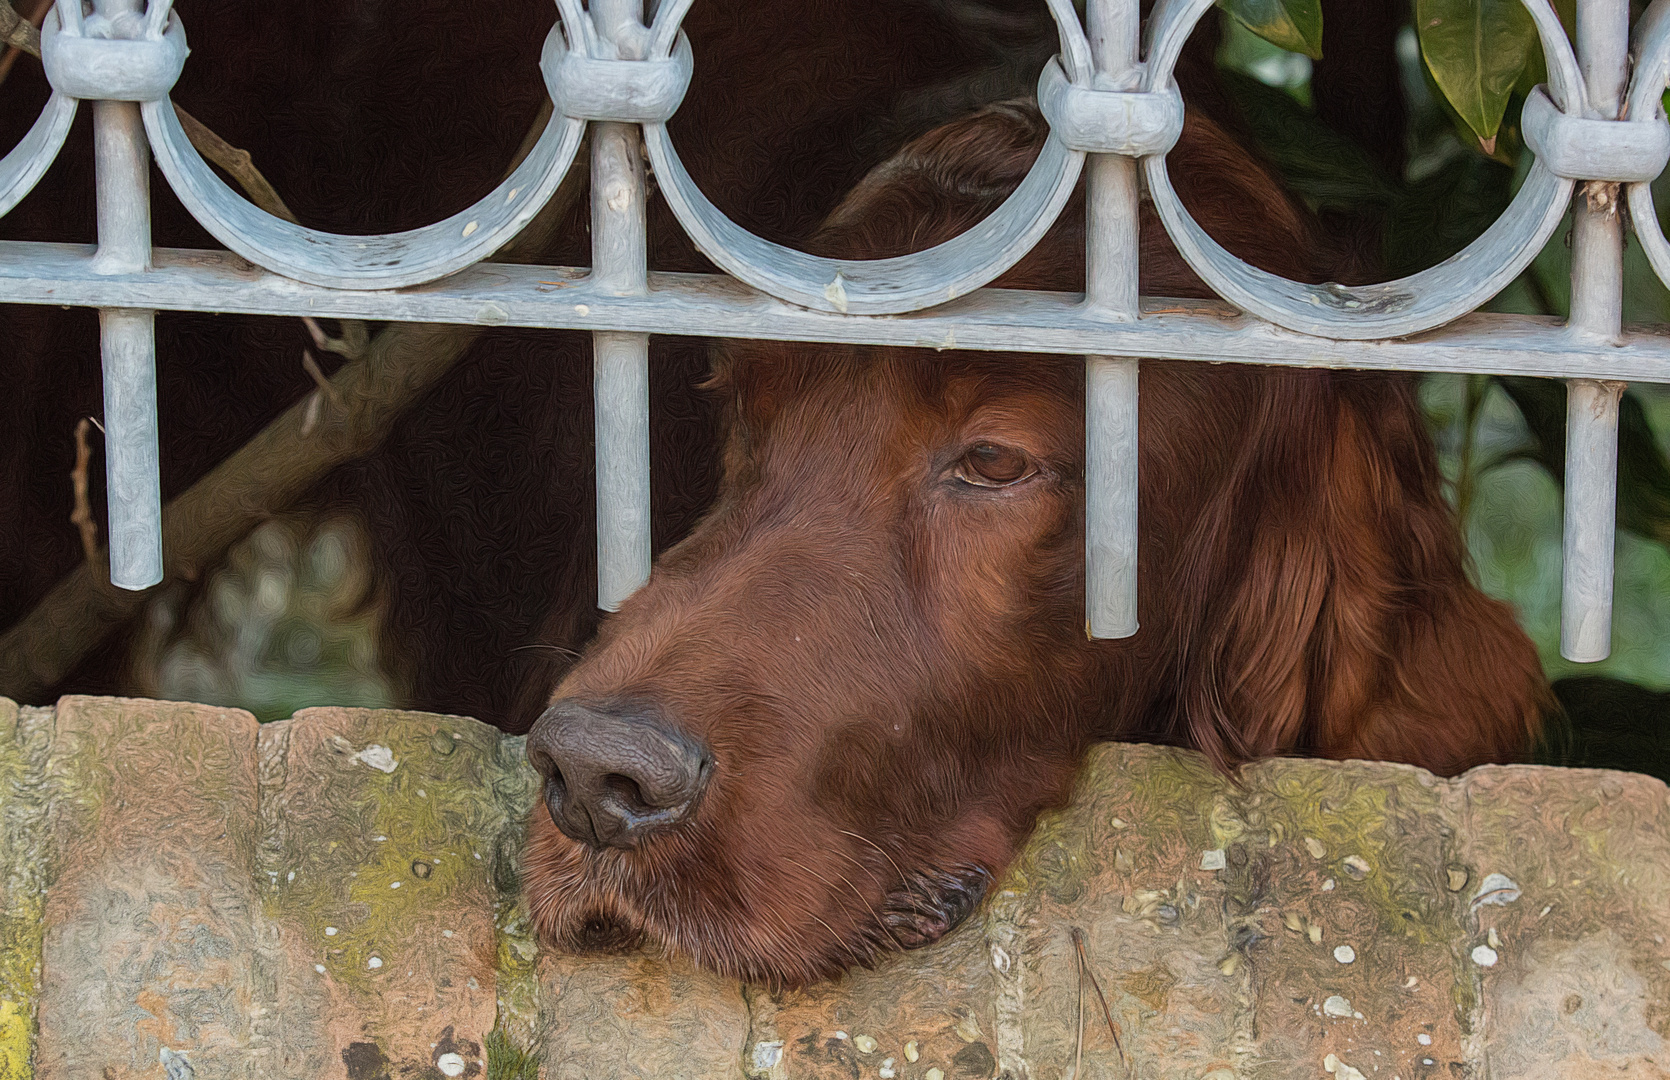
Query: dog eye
pixel 989 465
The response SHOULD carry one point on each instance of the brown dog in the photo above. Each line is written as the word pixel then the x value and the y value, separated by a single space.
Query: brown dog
pixel 835 711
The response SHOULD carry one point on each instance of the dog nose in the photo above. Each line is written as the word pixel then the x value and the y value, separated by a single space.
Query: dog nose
pixel 614 773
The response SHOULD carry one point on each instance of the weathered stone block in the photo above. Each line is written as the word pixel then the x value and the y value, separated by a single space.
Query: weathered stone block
pixel 25 736
pixel 185 894
pixel 150 943
pixel 638 1016
pixel 388 841
pixel 1573 974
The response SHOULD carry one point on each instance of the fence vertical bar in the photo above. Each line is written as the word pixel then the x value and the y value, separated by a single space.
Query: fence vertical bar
pixel 1596 313
pixel 127 339
pixel 620 361
pixel 1110 403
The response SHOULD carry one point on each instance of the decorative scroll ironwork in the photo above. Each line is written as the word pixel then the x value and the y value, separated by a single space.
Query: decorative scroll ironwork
pixel 1106 105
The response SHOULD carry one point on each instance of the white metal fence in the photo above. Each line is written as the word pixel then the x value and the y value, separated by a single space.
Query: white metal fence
pixel 1109 96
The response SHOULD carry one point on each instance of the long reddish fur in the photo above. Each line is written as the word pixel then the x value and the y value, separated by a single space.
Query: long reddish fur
pixel 893 675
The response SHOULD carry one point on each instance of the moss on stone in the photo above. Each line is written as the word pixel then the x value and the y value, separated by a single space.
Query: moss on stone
pixel 1377 839
pixel 25 860
pixel 1194 896
pixel 518 951
pixel 398 839
pixel 508 1060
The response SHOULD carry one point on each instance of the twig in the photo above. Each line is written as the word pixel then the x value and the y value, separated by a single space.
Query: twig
pixel 262 477
pixel 241 167
pixel 21 35
pixel 1078 1044
pixel 315 400
pixel 82 515
pixel 1107 1014
pixel 311 366
pixel 237 163
pixel 351 345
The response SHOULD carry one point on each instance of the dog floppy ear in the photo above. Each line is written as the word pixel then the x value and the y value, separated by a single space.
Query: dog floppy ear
pixel 1331 611
pixel 937 186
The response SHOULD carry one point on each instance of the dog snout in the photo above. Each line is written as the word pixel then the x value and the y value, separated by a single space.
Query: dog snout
pixel 615 772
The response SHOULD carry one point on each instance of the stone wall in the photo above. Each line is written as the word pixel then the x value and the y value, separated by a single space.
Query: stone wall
pixel 187 894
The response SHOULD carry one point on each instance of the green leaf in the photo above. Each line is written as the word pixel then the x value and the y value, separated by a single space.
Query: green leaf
pixel 1294 25
pixel 1475 50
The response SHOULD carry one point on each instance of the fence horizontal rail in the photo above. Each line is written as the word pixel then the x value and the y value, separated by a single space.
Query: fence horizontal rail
pixel 710 305
pixel 1114 110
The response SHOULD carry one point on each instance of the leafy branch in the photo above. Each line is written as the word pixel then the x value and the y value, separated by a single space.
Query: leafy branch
pixel 1477 51
pixel 1294 25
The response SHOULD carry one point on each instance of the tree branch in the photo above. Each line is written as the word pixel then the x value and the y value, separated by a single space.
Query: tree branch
pixel 238 165
pixel 266 475
pixel 82 514
pixel 16 32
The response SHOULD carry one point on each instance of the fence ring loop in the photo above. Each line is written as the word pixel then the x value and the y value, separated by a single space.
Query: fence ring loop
pixel 1651 49
pixel 1578 148
pixel 383 261
pixel 1127 122
pixel 622 91
pixel 24 165
pixel 113 68
pixel 1398 308
pixel 876 286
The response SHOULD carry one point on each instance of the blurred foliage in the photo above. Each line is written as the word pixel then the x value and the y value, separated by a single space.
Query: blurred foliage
pixel 1501 441
pixel 289 621
pixel 1513 520
pixel 1479 53
pixel 1294 25
pixel 1249 59
pixel 1324 168
pixel 1643 476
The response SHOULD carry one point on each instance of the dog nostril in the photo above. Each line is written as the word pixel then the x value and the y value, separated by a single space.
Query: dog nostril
pixel 556 790
pixel 614 776
pixel 546 766
pixel 627 791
